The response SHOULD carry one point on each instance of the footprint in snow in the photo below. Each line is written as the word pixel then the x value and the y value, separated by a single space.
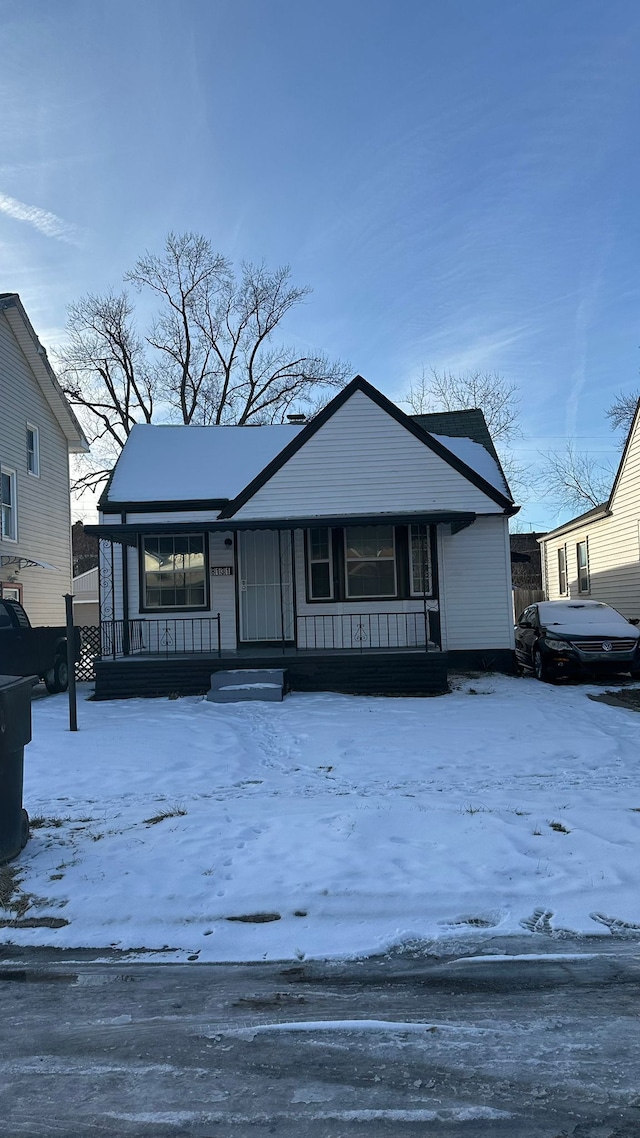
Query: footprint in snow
pixel 539 921
pixel 479 922
pixel 616 926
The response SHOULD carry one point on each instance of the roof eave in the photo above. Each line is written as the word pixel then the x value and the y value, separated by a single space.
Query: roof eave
pixel 38 361
pixel 595 515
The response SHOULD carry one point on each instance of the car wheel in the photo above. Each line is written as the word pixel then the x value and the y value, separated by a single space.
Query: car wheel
pixel 57 679
pixel 540 667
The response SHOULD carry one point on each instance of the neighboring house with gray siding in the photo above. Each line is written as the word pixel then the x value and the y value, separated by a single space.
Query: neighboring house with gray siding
pixel 597 554
pixel 361 530
pixel 38 432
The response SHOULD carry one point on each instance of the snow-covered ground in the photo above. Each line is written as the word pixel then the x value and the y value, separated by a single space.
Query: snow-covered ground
pixel 360 823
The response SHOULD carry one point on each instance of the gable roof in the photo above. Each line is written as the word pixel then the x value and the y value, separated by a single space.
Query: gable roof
pixel 222 467
pixel 605 508
pixel 38 361
pixel 500 496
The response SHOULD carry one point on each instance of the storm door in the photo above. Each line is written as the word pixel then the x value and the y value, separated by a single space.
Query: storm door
pixel 266 585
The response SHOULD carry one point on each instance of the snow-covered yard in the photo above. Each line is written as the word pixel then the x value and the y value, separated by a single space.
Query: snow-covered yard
pixel 345 825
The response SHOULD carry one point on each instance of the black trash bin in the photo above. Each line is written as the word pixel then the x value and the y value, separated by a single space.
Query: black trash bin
pixel 15 733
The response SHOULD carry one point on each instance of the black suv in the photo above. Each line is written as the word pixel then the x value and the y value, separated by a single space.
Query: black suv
pixel 569 638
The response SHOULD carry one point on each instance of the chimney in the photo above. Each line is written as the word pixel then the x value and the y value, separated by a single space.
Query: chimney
pixel 297 418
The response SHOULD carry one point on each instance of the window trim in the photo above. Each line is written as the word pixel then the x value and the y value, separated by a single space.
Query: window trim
pixel 394 559
pixel 583 592
pixel 414 593
pixel 162 610
pixel 13 505
pixel 36 450
pixel 562 550
pixel 309 561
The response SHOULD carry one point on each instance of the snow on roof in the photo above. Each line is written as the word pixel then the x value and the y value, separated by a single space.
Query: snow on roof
pixel 178 463
pixel 477 457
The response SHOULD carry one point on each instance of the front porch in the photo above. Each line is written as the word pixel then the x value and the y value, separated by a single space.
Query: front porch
pixel 373 653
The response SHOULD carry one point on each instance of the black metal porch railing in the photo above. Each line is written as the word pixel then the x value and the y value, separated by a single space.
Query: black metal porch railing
pixel 160 637
pixel 361 631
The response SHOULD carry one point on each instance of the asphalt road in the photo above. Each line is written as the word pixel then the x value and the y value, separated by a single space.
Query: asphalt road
pixel 450 1046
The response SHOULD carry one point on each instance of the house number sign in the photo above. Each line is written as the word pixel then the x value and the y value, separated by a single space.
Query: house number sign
pixel 221 571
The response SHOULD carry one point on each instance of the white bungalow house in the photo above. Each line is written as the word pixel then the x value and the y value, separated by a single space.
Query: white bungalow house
pixel 368 547
pixel 38 432
pixel 597 554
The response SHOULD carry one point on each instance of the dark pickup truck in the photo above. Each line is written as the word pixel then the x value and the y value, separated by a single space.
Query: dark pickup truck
pixel 27 651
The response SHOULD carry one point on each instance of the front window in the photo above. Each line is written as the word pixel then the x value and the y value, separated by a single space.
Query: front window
pixel 421 579
pixel 174 572
pixel 582 552
pixel 9 528
pixel 33 450
pixel 320 564
pixel 562 570
pixel 370 561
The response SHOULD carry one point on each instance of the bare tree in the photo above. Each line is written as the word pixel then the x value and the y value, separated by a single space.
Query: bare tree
pixel 215 336
pixel 622 411
pixel 209 356
pixel 496 397
pixel 576 479
pixel 106 378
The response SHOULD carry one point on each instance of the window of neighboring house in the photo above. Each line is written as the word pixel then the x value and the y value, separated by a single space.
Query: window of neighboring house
pixel 562 570
pixel 420 561
pixel 33 450
pixel 9 517
pixel 370 561
pixel 320 564
pixel 10 592
pixel 174 572
pixel 582 553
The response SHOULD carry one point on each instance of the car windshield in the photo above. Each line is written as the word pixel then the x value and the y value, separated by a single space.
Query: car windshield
pixel 580 617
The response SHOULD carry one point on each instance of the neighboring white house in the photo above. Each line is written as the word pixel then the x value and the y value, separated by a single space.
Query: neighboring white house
pixel 360 530
pixel 38 432
pixel 597 554
pixel 86 610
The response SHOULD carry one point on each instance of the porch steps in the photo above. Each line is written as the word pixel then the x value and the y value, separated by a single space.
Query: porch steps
pixel 248 684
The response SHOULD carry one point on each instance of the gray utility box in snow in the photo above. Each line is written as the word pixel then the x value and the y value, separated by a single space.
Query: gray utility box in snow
pixel 15 733
pixel 244 685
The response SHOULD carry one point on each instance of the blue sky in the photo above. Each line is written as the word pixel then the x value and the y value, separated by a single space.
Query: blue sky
pixel 458 182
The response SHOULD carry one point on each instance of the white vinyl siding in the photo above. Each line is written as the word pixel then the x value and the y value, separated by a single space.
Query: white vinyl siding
pixel 363 461
pixel 44 510
pixel 614 564
pixel 476 586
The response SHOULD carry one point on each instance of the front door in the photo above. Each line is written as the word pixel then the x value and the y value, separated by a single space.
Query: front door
pixel 266 585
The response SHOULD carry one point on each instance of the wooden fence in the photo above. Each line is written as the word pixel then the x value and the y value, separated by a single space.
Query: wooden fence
pixel 522 598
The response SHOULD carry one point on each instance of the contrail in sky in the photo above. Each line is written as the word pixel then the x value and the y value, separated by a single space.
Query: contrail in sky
pixel 47 223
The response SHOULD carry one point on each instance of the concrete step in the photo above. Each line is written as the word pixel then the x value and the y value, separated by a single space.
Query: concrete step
pixel 243 685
